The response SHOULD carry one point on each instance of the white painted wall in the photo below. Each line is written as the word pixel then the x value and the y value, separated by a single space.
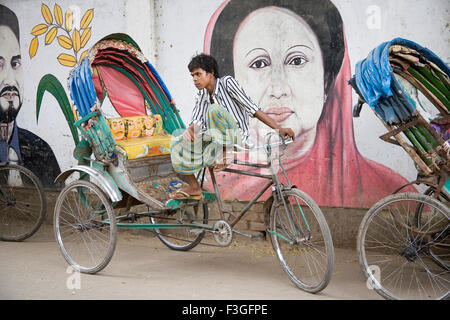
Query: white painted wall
pixel 421 21
pixel 170 32
pixel 182 24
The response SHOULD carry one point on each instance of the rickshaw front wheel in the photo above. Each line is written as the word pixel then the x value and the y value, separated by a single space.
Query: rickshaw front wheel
pixel 85 226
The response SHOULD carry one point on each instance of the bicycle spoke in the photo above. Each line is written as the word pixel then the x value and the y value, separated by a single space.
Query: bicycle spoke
pixel 182 239
pixel 304 257
pixel 407 270
pixel 22 205
pixel 86 242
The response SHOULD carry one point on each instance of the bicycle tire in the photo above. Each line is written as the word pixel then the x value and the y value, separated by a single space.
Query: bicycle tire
pixel 390 244
pixel 180 239
pixel 23 203
pixel 85 224
pixel 418 218
pixel 314 247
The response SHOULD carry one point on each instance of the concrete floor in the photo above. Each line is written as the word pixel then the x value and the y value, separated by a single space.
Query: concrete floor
pixel 143 268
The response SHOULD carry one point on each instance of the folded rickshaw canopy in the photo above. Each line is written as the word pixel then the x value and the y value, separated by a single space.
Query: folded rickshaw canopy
pixel 115 66
pixel 374 78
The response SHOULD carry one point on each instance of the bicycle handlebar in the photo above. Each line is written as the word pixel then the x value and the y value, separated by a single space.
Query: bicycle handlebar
pixel 283 142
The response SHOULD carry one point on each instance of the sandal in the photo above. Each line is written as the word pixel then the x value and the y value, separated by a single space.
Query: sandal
pixel 185 196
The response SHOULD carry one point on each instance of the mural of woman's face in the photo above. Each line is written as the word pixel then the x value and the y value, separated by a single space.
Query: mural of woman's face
pixel 277 60
pixel 11 75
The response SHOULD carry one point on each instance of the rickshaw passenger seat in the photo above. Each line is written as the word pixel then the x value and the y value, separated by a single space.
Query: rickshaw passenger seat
pixel 146 146
pixel 140 136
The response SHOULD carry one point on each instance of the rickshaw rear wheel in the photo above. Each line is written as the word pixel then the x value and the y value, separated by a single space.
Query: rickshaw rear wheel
pixel 394 249
pixel 85 226
pixel 418 222
pixel 183 238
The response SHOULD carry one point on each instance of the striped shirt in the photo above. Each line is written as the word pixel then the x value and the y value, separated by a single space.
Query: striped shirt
pixel 230 95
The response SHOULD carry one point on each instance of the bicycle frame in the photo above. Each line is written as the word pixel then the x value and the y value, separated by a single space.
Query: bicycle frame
pixel 222 211
pixel 277 189
pixel 277 192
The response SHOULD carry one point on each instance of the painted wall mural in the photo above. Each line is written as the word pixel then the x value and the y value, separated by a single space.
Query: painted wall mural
pixel 303 85
pixel 18 144
pixel 72 39
pixel 291 58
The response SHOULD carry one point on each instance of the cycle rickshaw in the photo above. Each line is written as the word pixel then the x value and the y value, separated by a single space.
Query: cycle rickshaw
pixel 404 239
pixel 125 161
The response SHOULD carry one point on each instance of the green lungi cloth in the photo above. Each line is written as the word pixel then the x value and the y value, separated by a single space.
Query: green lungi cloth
pixel 189 157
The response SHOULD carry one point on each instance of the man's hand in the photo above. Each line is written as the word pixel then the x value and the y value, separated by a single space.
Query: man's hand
pixel 189 133
pixel 286 132
pixel 261 115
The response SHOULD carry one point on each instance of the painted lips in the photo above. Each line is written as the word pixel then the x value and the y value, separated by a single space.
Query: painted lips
pixel 279 114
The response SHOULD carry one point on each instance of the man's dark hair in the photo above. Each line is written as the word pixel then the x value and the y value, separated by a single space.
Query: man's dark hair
pixel 206 62
pixel 9 18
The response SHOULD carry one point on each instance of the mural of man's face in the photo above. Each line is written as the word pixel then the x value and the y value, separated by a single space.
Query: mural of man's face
pixel 11 75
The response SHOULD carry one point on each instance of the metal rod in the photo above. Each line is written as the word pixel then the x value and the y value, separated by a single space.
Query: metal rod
pixel 216 190
pixel 203 177
pixel 243 211
pixel 266 176
pixel 249 164
pixel 253 236
pixel 163 225
pixel 280 236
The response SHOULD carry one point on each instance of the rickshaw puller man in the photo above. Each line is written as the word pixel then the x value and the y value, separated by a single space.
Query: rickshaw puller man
pixel 220 118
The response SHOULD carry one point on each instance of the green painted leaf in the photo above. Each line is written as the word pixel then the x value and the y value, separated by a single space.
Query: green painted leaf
pixel 51 84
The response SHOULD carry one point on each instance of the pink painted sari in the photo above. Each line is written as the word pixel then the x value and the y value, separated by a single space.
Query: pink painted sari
pixel 332 172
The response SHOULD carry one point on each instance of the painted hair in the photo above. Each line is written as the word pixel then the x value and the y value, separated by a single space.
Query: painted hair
pixel 8 18
pixel 321 15
pixel 206 62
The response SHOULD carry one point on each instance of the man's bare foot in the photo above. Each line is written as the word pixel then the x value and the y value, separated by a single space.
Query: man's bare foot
pixel 186 193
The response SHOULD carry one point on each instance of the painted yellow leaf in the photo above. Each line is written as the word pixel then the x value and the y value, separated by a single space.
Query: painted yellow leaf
pixel 75 112
pixel 58 14
pixel 47 14
pixel 50 36
pixel 33 47
pixel 76 40
pixel 83 55
pixel 87 18
pixel 69 20
pixel 65 42
pixel 85 37
pixel 39 29
pixel 66 60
